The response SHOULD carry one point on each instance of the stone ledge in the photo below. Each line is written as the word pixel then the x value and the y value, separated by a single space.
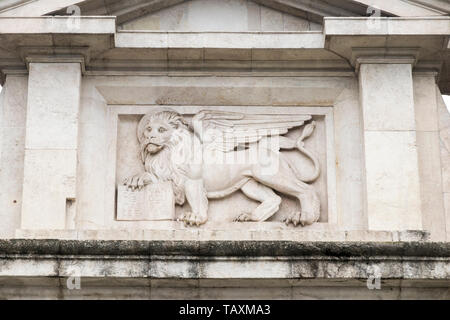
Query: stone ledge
pixel 224 289
pixel 223 269
pixel 398 250
pixel 251 231
pixel 224 260
pixel 220 40
pixel 58 25
pixel 400 26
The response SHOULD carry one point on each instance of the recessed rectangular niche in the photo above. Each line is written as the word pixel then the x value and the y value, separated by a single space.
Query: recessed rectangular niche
pixel 223 211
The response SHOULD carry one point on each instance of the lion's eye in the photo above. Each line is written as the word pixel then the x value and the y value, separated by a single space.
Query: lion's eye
pixel 162 129
pixel 149 129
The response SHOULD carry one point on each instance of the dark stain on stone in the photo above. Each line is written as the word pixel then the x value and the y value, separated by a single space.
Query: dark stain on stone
pixel 340 250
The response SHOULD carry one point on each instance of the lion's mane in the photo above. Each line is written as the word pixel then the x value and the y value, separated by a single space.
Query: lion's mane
pixel 170 163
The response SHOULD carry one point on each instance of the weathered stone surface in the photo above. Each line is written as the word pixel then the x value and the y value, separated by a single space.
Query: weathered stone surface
pixel 444 142
pixel 215 15
pixel 377 199
pixel 382 87
pixel 13 100
pixel 51 145
pixel 390 142
pixel 248 232
pixel 155 266
pixel 225 248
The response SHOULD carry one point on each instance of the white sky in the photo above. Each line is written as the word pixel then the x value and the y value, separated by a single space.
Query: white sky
pixel 446 99
pixel 447 102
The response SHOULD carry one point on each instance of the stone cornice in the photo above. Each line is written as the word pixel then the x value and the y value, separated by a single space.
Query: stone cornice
pixel 420 41
pixel 225 248
pixel 341 47
pixel 58 25
pixel 225 260
pixel 311 10
pixel 126 10
pixel 56 59
pixel 384 26
pixel 383 56
pixel 79 55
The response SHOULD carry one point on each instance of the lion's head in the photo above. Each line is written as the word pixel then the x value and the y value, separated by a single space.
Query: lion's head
pixel 163 136
pixel 157 129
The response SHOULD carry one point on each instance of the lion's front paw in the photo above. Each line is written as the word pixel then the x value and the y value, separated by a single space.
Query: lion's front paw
pixel 243 217
pixel 137 182
pixel 294 218
pixel 193 219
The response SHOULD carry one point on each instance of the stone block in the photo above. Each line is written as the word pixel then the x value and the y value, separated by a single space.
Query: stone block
pixel 13 102
pixel 53 106
pixel 387 95
pixel 49 183
pixel 425 103
pixel 431 184
pixel 393 186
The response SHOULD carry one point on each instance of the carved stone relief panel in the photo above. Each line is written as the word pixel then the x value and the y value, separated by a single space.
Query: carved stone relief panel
pixel 216 166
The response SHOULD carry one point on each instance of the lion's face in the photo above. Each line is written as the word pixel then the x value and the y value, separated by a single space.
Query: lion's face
pixel 161 134
pixel 157 134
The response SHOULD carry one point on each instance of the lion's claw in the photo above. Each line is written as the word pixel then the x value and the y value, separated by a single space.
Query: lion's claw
pixel 137 182
pixel 243 217
pixel 294 218
pixel 192 219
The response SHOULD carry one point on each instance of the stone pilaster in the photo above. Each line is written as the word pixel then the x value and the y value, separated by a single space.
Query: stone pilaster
pixel 49 189
pixel 393 195
pixel 430 164
pixel 13 105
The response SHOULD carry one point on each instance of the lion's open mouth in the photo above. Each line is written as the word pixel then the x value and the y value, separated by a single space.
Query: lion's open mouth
pixel 153 147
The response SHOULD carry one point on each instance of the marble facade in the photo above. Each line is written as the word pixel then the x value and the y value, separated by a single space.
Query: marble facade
pixel 76 88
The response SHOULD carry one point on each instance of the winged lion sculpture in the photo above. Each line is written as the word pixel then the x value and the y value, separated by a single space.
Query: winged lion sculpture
pixel 191 156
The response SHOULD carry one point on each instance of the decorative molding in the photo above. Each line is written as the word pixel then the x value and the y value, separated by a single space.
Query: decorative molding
pixel 79 55
pixel 383 56
pixel 224 53
pixel 12 4
pixel 429 68
pixel 83 51
pixel 56 59
pixel 11 67
pixel 254 67
pixel 221 73
pixel 311 10
pixel 439 6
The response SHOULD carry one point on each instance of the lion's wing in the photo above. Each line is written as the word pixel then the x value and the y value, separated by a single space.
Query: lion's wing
pixel 224 131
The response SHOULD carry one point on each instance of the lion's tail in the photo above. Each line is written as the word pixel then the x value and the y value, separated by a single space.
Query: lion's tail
pixel 309 129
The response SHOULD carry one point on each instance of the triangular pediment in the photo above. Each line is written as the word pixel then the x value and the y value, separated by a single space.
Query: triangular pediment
pixel 220 15
pixel 126 10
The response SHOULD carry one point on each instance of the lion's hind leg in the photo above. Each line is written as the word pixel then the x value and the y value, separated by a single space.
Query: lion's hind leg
pixel 309 203
pixel 270 202
pixel 286 182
